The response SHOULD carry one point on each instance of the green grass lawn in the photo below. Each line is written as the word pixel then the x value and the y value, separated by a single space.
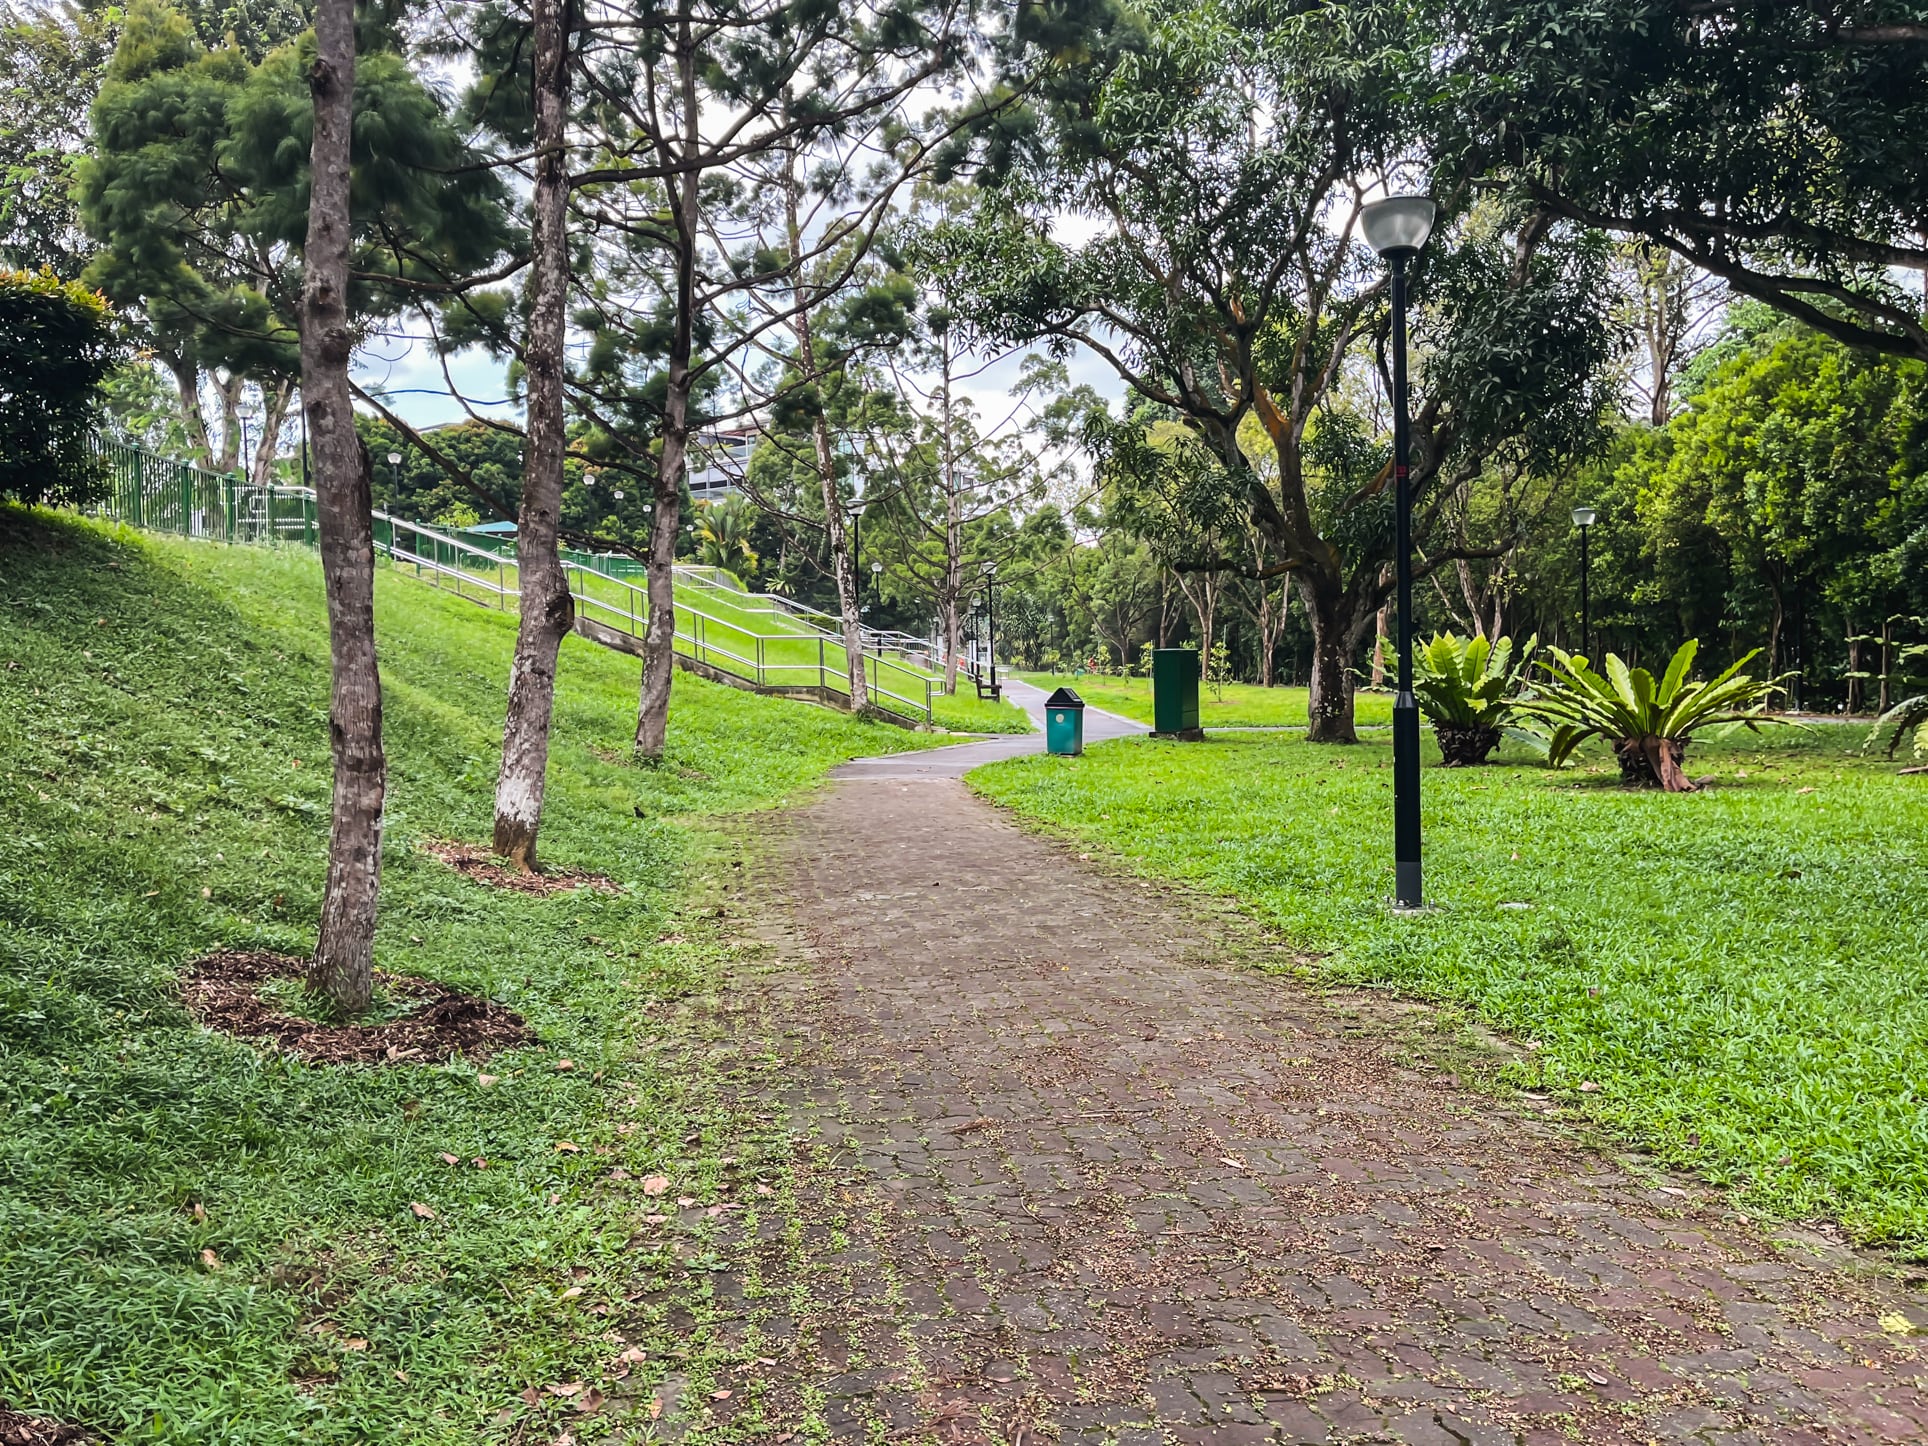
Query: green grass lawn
pixel 164 792
pixel 965 712
pixel 1244 705
pixel 742 633
pixel 1739 971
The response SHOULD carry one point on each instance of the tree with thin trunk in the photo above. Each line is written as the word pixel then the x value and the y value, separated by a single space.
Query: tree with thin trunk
pixel 547 609
pixel 342 970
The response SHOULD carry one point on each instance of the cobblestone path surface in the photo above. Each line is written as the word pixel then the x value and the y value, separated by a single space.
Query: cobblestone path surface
pixel 1083 1180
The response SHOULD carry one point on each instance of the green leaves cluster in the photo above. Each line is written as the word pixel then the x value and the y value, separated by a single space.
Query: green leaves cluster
pixel 1631 710
pixel 58 344
pixel 1469 682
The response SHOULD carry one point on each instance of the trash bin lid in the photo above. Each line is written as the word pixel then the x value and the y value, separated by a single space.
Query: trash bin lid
pixel 1064 698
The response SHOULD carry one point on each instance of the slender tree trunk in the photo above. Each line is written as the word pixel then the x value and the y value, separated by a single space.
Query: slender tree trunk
pixel 187 385
pixel 659 637
pixel 1854 666
pixel 274 417
pixel 951 617
pixel 1329 706
pixel 1381 619
pixel 1887 662
pixel 228 388
pixel 953 520
pixel 842 566
pixel 547 610
pixel 343 967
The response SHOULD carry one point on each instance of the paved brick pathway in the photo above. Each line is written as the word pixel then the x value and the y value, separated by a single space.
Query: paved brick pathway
pixel 1077 1179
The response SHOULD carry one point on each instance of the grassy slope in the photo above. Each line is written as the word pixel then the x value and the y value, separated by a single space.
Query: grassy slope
pixel 965 712
pixel 1739 970
pixel 163 791
pixel 1243 704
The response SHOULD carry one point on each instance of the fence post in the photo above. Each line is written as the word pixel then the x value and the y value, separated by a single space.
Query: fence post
pixel 229 492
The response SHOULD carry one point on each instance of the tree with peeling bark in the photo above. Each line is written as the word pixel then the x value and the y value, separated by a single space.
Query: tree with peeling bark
pixel 547 611
pixel 706 106
pixel 343 967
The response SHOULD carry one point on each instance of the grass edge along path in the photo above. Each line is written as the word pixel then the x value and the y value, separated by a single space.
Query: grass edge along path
pixel 1234 705
pixel 1731 979
pixel 204 1241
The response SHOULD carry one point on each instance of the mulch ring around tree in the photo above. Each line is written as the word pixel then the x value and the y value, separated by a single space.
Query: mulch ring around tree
pixel 483 867
pixel 223 991
pixel 19 1429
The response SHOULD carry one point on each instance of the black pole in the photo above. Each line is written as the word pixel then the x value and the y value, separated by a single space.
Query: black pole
pixel 1586 602
pixel 990 629
pixel 1407 891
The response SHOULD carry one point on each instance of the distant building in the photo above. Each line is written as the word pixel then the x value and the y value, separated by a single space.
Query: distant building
pixel 717 461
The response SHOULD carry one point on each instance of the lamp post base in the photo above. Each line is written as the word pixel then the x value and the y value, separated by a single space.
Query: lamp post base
pixel 1408 897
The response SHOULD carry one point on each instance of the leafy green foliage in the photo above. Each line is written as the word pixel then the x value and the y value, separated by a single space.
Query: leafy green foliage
pixel 57 346
pixel 1740 977
pixel 1906 720
pixel 1468 682
pixel 1638 715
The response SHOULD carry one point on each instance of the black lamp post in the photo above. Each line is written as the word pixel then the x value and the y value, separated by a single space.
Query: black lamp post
pixel 1396 228
pixel 877 584
pixel 243 414
pixel 1583 518
pixel 990 623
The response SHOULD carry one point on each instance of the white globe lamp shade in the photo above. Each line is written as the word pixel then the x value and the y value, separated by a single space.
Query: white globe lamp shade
pixel 1398 225
pixel 394 459
pixel 1583 516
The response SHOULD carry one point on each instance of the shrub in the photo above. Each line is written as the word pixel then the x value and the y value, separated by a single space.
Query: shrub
pixel 57 346
pixel 1649 724
pixel 1466 687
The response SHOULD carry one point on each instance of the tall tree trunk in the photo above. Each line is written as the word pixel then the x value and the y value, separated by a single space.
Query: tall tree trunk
pixel 187 385
pixel 343 967
pixel 842 566
pixel 228 389
pixel 953 521
pixel 547 610
pixel 659 637
pixel 274 417
pixel 1380 638
pixel 1329 706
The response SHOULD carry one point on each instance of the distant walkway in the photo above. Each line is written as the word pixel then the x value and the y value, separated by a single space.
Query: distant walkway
pixel 960 759
pixel 1066 1174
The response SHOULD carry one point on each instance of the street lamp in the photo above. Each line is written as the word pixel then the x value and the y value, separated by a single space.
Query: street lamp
pixel 990 622
pixel 877 582
pixel 1397 228
pixel 1583 518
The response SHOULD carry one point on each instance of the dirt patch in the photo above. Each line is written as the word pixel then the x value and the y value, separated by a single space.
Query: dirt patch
pixel 223 991
pixel 483 867
pixel 19 1430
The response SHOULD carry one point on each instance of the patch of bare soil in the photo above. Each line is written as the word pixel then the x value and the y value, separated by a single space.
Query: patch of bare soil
pixel 21 1430
pixel 481 866
pixel 223 991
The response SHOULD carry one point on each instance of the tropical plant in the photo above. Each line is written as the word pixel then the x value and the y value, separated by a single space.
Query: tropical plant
pixel 1907 719
pixel 722 534
pixel 1648 723
pixel 1466 686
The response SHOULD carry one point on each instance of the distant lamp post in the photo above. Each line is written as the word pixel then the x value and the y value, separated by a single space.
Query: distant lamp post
pixel 990 623
pixel 877 582
pixel 1397 228
pixel 1583 518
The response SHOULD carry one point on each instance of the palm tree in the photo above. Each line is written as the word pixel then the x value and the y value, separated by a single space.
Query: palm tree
pixel 723 529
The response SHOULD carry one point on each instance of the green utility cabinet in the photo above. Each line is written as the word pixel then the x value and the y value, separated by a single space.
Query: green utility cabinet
pixel 1174 693
pixel 1064 723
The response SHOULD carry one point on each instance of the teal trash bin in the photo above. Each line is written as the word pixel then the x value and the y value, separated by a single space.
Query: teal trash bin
pixel 1064 723
pixel 1174 693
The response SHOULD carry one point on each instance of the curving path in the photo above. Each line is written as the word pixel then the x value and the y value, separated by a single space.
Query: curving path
pixel 1068 1174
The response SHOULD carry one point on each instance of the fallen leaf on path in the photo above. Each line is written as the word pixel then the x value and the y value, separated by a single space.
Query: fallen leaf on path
pixel 1588 1087
pixel 422 1212
pixel 719 1395
pixel 563 1066
pixel 1597 1378
pixel 1898 1325
pixel 685 1201
pixel 765 1190
pixel 655 1184
pixel 655 1407
pixel 1232 1160
pixel 565 1389
pixel 485 1080
pixel 529 1396
pixel 568 1147
pixel 210 1260
pixel 354 1343
pixel 447 1159
pixel 591 1402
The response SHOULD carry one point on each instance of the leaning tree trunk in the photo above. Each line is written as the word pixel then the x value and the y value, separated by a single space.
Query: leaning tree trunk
pixel 1329 717
pixel 547 610
pixel 666 511
pixel 343 967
